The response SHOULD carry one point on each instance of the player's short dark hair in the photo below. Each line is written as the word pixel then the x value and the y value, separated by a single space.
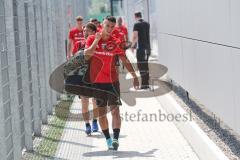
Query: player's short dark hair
pixel 138 14
pixel 91 26
pixel 93 20
pixel 111 19
pixel 79 18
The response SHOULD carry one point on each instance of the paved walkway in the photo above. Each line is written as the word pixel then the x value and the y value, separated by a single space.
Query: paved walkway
pixel 142 136
pixel 141 139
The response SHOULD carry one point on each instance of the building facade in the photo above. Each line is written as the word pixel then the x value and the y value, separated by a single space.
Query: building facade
pixel 199 42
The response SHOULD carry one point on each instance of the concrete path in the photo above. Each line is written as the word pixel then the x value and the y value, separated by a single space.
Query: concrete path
pixel 142 137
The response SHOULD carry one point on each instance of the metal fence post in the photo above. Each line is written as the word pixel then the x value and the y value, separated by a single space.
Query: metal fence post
pixel 39 48
pixel 15 79
pixel 29 14
pixel 26 77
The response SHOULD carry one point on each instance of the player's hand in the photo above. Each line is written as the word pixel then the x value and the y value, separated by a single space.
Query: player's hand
pixel 98 36
pixel 136 83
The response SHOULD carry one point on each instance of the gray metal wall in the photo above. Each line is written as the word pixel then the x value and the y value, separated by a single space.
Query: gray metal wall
pixel 199 42
pixel 32 45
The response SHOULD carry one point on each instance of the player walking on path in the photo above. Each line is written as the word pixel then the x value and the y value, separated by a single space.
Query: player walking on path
pixel 104 76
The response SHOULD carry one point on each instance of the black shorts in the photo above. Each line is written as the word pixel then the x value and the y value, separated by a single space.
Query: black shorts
pixel 107 94
pixel 76 84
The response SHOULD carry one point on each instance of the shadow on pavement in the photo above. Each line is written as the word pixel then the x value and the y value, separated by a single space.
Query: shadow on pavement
pixel 120 154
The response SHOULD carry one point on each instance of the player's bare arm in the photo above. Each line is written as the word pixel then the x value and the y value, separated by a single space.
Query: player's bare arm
pixel 130 68
pixel 88 53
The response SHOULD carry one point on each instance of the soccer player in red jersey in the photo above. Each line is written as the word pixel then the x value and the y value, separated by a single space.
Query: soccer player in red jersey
pixel 97 23
pixel 121 38
pixel 118 35
pixel 89 29
pixel 120 32
pixel 121 28
pixel 104 77
pixel 76 38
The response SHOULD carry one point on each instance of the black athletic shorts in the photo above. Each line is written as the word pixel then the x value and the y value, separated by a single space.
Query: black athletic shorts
pixel 76 84
pixel 107 94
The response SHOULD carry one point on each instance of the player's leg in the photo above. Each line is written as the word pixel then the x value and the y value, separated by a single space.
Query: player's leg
pixel 114 103
pixel 143 68
pixel 95 116
pixel 101 101
pixel 116 125
pixel 85 112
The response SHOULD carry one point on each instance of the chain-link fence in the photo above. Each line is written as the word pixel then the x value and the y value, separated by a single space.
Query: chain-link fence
pixel 32 45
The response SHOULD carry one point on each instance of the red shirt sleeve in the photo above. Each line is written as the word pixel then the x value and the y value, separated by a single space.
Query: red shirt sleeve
pixel 118 50
pixel 89 41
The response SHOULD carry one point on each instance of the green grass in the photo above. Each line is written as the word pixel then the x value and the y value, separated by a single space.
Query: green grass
pixel 48 146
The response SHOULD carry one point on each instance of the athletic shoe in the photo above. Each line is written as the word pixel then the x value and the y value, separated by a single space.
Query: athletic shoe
pixel 88 130
pixel 115 144
pixel 94 126
pixel 109 143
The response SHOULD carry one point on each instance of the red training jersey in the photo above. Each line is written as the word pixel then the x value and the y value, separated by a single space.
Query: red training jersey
pixel 102 63
pixel 118 35
pixel 77 37
pixel 122 29
pixel 99 28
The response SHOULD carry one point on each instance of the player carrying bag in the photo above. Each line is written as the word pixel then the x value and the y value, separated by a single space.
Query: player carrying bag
pixel 76 74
